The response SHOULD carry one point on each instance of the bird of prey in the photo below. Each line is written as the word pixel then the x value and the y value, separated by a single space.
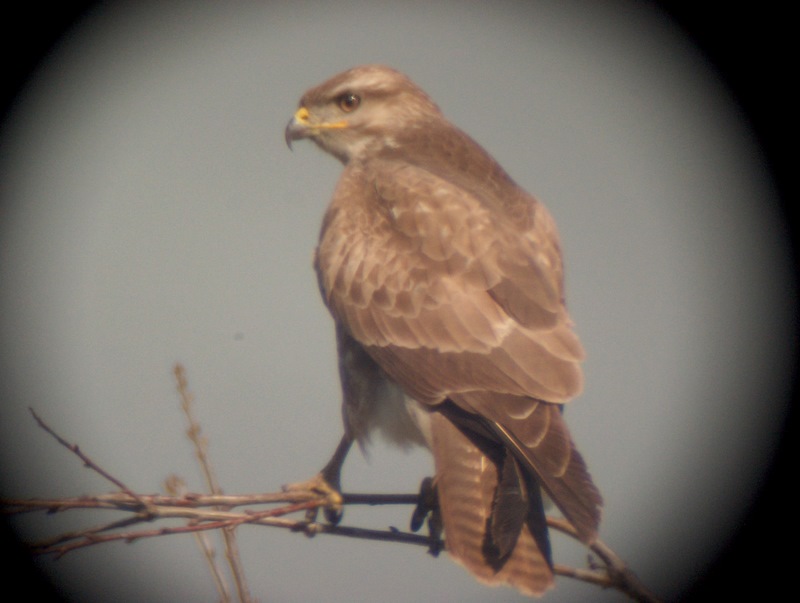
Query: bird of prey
pixel 444 279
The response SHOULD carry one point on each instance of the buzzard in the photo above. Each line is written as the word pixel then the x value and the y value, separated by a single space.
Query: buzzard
pixel 445 282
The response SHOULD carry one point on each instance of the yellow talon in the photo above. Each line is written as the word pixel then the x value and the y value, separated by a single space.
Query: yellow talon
pixel 333 499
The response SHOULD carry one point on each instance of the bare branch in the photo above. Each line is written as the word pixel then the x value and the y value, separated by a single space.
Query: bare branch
pixel 201 451
pixel 200 513
pixel 175 486
pixel 613 572
pixel 87 462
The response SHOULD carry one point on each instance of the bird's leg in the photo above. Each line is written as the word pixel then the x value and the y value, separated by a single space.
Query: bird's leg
pixel 426 503
pixel 428 506
pixel 332 476
pixel 328 483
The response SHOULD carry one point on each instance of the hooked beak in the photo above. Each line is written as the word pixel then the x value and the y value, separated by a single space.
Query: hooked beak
pixel 301 126
pixel 297 128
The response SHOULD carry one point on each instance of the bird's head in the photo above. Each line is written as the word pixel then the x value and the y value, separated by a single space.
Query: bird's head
pixel 361 109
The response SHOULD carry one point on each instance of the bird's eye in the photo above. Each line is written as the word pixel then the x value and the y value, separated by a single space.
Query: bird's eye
pixel 349 102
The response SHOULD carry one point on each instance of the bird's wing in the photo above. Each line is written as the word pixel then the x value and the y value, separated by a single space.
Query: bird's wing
pixel 456 302
pixel 444 291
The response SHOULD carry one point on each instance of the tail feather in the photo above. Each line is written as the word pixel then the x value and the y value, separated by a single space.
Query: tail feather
pixel 537 434
pixel 467 483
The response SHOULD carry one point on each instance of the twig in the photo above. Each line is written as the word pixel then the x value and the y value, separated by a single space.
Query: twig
pixel 126 502
pixel 199 520
pixel 87 462
pixel 201 451
pixel 175 486
pixel 613 572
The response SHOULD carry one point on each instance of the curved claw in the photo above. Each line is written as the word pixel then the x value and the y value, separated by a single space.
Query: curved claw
pixel 428 507
pixel 427 503
pixel 327 483
pixel 334 501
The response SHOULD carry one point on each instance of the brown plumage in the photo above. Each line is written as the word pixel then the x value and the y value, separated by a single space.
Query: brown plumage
pixel 445 281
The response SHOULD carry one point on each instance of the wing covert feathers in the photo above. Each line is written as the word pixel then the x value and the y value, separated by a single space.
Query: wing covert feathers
pixel 444 293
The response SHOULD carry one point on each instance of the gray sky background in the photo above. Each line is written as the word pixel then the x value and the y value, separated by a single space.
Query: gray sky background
pixel 152 214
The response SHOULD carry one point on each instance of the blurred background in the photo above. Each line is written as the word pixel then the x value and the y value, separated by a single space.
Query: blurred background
pixel 152 214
